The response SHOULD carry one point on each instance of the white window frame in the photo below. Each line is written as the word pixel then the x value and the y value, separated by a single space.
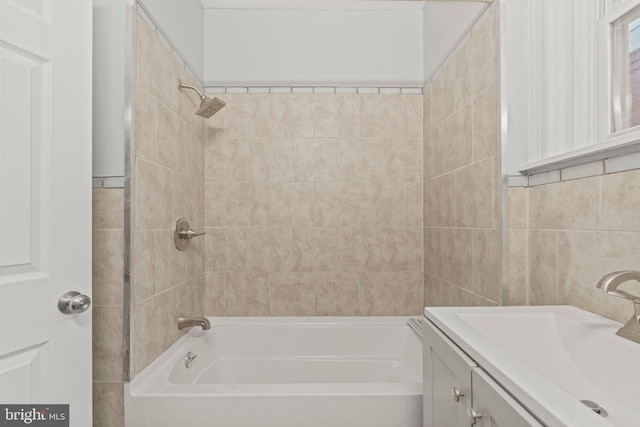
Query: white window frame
pixel 561 97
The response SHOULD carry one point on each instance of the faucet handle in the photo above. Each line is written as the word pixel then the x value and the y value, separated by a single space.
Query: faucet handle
pixel 611 281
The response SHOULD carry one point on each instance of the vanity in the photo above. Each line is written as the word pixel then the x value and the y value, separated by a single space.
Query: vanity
pixel 528 366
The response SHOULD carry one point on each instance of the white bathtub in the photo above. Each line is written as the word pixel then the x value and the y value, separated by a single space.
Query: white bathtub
pixel 280 372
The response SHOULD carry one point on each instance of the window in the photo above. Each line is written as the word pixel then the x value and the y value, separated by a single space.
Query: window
pixel 625 47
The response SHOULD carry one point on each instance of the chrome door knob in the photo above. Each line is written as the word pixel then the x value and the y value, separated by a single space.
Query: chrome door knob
pixel 73 302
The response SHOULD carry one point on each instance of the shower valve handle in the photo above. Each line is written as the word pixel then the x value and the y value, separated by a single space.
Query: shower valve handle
pixel 183 233
pixel 190 234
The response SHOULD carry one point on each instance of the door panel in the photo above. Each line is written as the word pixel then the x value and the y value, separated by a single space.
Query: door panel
pixel 45 202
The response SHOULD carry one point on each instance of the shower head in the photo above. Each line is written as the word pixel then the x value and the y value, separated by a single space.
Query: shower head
pixel 208 106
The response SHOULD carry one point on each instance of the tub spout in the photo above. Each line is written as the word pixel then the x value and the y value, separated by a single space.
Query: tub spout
pixel 187 322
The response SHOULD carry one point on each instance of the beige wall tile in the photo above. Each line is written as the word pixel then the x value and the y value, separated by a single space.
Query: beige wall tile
pixel 156 66
pixel 293 205
pixel 269 249
pixel 107 343
pixel 403 248
pixel 146 109
pixel 413 293
pixel 170 262
pixel 226 249
pixel 543 269
pixel 152 322
pixel 338 203
pixel 360 159
pixel 171 135
pixel 315 159
pixel 226 159
pixel 214 294
pixel 108 266
pixel 195 257
pixel 292 294
pixel 443 201
pixel 246 294
pixel 108 404
pixel 518 208
pixel 621 201
pixel 475 64
pixel 517 286
pixel 485 263
pixel 247 204
pixel 382 116
pixel 458 257
pixel 457 140
pixel 247 115
pixel 427 108
pixel 194 154
pixel 215 199
pixel 433 252
pixel 291 115
pixel 566 205
pixel 144 265
pixel 187 200
pixel 413 115
pixel 336 115
pixel 402 159
pixel 379 205
pixel 108 208
pixel 315 249
pixel 437 293
pixel 189 299
pixel 474 195
pixel 382 294
pixel 270 159
pixel 413 204
pixel 337 294
pixel 485 124
pixel 153 196
pixel 444 89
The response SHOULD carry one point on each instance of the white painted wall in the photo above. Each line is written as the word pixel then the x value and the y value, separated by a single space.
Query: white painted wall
pixel 444 24
pixel 245 47
pixel 182 21
pixel 108 87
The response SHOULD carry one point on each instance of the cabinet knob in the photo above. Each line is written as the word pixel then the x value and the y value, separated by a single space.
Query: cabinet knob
pixel 455 393
pixel 473 416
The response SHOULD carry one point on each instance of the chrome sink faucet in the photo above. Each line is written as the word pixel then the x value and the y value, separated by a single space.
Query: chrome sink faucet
pixel 610 283
pixel 187 322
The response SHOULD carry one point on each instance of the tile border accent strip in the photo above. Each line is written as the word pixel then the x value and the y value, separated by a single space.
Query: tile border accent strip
pixel 217 90
pixel 608 166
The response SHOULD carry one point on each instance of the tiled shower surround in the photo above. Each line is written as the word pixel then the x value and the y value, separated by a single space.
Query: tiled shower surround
pixel 313 205
pixel 462 174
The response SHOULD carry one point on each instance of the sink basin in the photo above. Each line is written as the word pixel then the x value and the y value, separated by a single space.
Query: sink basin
pixel 550 358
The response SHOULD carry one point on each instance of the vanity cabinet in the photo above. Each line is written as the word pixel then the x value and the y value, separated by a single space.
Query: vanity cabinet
pixel 458 393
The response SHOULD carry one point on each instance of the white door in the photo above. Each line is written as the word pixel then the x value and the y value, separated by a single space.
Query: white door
pixel 45 203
